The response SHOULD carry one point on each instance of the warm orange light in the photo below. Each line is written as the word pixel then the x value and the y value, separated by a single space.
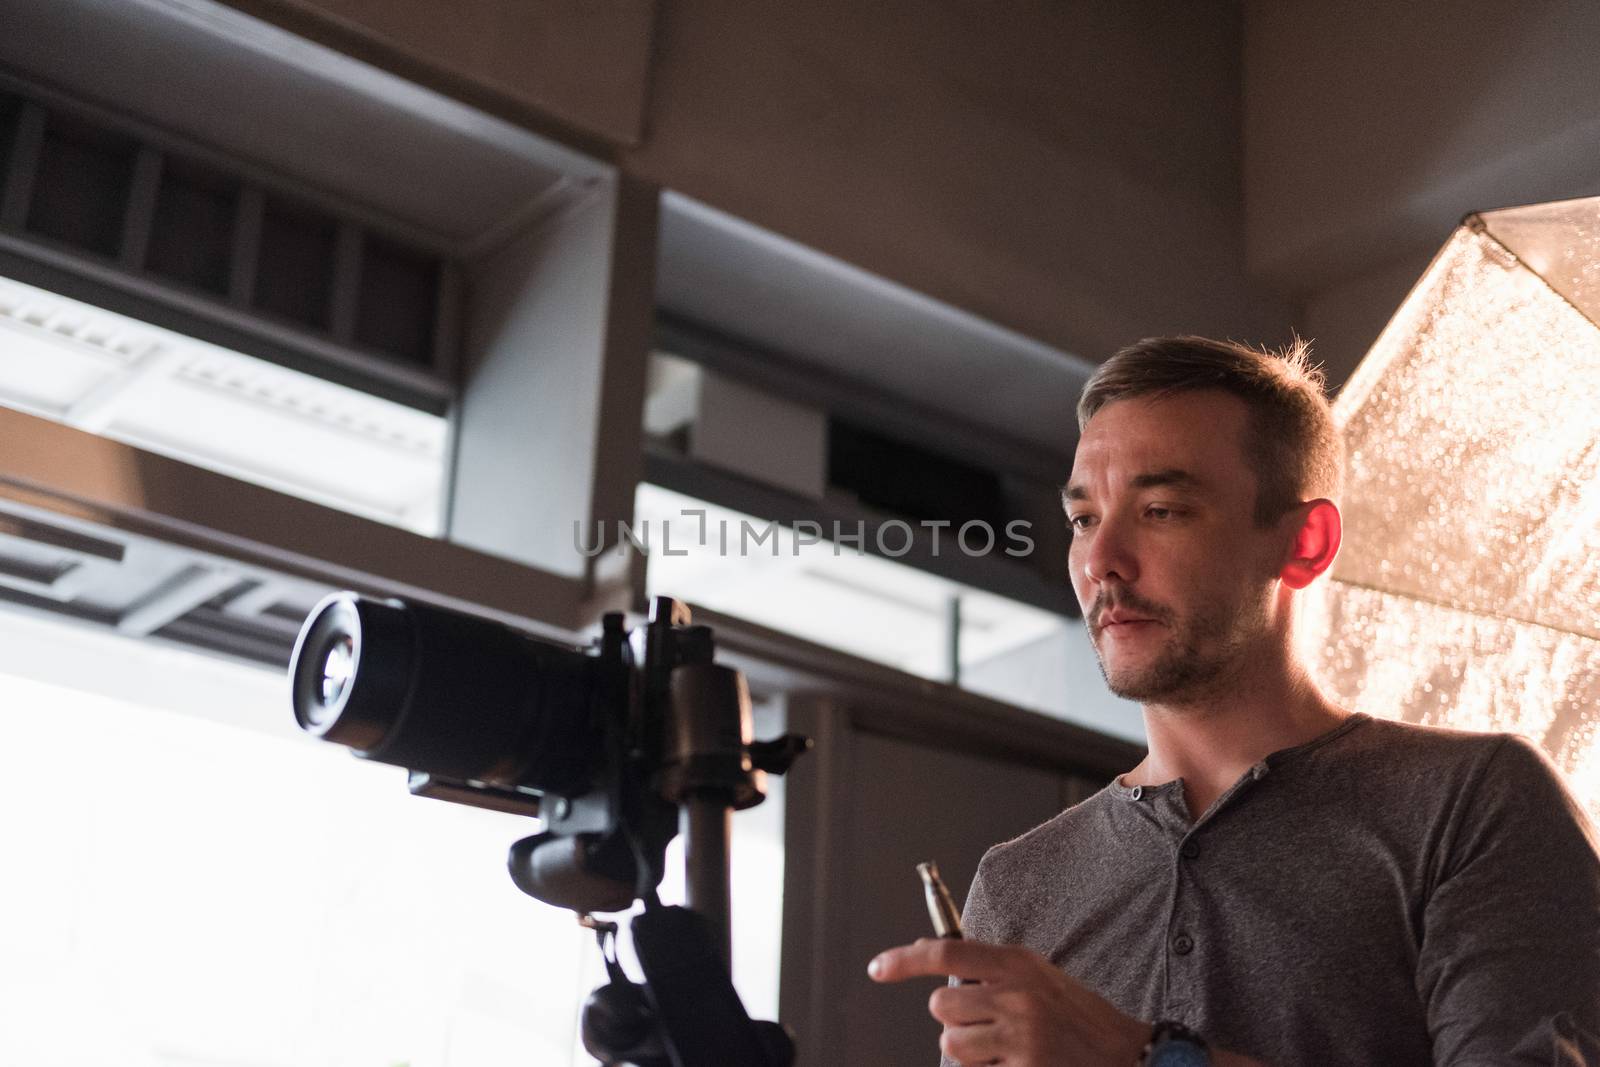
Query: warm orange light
pixel 1468 590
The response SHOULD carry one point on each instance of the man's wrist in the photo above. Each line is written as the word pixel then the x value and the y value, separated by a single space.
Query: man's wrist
pixel 1172 1044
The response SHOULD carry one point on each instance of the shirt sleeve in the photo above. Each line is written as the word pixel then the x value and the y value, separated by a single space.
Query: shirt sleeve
pixel 978 919
pixel 1509 960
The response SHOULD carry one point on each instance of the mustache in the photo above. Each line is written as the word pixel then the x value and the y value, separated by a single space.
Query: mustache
pixel 1129 603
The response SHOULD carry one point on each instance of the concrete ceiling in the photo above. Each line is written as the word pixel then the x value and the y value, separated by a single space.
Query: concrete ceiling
pixel 752 284
pixel 291 108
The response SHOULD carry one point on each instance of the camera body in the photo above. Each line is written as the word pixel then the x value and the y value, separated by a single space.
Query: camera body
pixel 605 744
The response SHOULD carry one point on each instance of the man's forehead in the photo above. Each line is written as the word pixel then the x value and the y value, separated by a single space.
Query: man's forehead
pixel 1191 439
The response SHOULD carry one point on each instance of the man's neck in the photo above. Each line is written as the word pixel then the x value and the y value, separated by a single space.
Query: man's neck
pixel 1213 739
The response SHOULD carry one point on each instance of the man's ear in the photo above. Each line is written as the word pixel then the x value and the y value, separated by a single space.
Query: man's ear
pixel 1316 542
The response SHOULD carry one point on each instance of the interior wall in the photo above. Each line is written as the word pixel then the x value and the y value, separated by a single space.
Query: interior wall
pixel 1371 128
pixel 866 806
pixel 1343 319
pixel 1069 171
pixel 549 420
pixel 584 65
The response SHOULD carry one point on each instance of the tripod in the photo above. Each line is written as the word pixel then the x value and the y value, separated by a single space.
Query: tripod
pixel 686 761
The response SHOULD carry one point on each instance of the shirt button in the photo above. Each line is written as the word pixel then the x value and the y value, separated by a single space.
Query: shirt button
pixel 1183 944
pixel 1138 791
pixel 1190 849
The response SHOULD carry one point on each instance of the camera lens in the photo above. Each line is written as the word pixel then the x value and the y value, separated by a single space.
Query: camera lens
pixel 344 674
pixel 338 664
pixel 446 693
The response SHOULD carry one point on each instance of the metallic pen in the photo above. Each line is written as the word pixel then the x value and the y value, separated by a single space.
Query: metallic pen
pixel 941 909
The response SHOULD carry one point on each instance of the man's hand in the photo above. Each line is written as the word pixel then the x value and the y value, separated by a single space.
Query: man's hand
pixel 1023 1013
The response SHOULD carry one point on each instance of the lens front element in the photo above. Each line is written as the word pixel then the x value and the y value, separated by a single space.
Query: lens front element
pixel 337 666
pixel 350 668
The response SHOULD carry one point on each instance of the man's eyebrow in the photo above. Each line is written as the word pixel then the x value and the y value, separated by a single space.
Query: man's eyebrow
pixel 1172 476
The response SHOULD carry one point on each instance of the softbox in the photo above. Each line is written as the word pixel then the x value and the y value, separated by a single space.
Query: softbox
pixel 1467 592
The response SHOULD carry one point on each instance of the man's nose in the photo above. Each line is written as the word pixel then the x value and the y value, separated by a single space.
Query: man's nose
pixel 1109 556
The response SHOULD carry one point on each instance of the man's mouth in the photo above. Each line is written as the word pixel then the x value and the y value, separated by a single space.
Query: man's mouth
pixel 1120 625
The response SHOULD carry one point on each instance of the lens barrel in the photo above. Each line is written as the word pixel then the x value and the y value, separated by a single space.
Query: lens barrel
pixel 447 693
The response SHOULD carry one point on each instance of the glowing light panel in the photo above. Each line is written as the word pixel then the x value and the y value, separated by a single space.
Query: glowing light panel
pixel 1468 590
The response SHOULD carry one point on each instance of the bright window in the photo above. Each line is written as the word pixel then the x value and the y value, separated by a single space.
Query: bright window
pixel 215 408
pixel 189 882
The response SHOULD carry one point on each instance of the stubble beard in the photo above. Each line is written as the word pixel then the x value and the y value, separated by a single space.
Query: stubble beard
pixel 1198 656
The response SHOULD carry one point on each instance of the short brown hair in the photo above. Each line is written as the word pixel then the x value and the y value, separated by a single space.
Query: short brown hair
pixel 1291 442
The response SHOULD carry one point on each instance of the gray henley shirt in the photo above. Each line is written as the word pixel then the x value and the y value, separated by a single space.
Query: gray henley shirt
pixel 1385 895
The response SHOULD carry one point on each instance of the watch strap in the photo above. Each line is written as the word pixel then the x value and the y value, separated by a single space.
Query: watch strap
pixel 1168 1031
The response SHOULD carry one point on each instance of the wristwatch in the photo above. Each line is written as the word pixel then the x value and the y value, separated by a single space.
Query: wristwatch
pixel 1175 1045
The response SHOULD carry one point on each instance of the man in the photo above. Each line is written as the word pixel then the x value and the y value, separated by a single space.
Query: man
pixel 1280 881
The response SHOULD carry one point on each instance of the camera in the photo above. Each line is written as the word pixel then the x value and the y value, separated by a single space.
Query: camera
pixel 615 747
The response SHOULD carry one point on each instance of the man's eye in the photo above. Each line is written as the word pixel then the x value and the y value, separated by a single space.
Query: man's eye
pixel 1079 522
pixel 1159 513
